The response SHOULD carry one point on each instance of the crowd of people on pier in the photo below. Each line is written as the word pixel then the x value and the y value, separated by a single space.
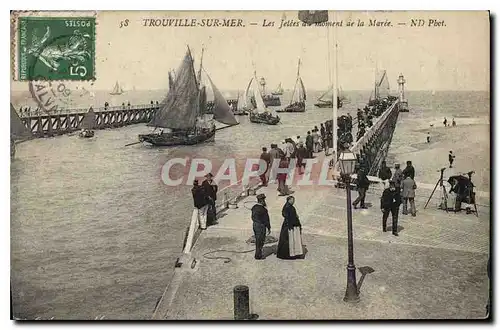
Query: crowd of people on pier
pixel 399 189
pixel 367 116
pixel 299 149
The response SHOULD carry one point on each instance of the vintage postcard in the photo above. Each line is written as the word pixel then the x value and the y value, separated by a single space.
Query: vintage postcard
pixel 250 165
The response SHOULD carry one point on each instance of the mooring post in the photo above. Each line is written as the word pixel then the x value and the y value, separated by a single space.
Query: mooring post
pixel 241 302
pixel 226 200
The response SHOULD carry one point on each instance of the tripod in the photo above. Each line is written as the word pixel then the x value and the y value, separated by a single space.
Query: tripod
pixel 444 196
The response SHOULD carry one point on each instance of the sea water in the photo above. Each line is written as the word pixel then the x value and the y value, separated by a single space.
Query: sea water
pixel 95 232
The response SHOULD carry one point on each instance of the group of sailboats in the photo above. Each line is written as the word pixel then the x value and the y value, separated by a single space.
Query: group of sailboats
pixel 259 112
pixel 270 100
pixel 183 111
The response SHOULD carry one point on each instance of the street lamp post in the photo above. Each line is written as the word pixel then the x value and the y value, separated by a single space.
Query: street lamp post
pixel 347 164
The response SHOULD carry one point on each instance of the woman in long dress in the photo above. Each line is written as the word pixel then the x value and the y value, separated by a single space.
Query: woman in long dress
pixel 290 242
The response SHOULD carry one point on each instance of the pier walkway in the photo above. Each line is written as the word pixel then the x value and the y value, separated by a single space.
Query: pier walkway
pixel 435 268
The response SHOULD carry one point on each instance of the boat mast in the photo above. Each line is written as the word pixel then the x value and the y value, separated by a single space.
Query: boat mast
pixel 296 83
pixel 334 94
pixel 201 66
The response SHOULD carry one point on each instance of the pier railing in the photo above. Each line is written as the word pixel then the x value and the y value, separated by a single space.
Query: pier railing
pixel 373 147
pixel 379 121
pixel 227 197
pixel 64 121
pixel 39 112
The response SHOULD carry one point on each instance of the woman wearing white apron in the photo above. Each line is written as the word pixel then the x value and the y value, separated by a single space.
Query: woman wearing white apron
pixel 290 242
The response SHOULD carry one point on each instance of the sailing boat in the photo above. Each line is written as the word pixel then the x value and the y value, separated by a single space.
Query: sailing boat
pixel 342 97
pixel 268 99
pixel 381 90
pixel 325 100
pixel 241 106
pixel 18 131
pixel 298 101
pixel 117 90
pixel 260 113
pixel 183 110
pixel 278 91
pixel 88 124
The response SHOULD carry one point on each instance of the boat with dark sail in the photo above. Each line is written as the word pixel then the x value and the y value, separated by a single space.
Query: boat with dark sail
pixel 183 111
pixel 298 101
pixel 325 100
pixel 88 125
pixel 117 90
pixel 260 114
pixel 278 91
pixel 269 100
pixel 382 89
pixel 18 131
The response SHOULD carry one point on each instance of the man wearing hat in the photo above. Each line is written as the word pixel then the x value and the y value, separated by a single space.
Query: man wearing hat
pixel 210 190
pixel 260 219
pixel 397 177
pixel 200 203
pixel 273 154
pixel 389 203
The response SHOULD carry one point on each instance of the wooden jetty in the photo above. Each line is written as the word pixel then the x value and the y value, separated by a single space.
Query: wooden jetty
pixel 44 124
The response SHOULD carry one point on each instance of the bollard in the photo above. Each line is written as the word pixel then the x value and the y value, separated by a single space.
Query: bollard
pixel 241 302
pixel 226 200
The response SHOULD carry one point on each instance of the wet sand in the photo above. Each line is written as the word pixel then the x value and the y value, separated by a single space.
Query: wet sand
pixel 469 141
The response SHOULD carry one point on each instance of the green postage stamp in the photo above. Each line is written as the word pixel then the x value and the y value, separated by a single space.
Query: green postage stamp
pixel 56 48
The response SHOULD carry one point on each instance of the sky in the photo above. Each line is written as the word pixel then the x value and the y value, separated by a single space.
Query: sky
pixel 451 57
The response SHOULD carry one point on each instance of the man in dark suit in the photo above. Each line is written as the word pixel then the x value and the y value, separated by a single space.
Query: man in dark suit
pixel 362 185
pixel 210 189
pixel 409 170
pixel 309 145
pixel 260 219
pixel 200 203
pixel 389 203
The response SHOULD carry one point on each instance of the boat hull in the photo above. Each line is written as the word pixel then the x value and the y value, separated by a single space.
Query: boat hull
pixel 240 113
pixel 328 104
pixel 270 100
pixel 259 119
pixel 176 140
pixel 277 94
pixel 86 134
pixel 299 107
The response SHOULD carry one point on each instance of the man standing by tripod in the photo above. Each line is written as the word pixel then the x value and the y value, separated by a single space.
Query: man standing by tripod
pixel 409 187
